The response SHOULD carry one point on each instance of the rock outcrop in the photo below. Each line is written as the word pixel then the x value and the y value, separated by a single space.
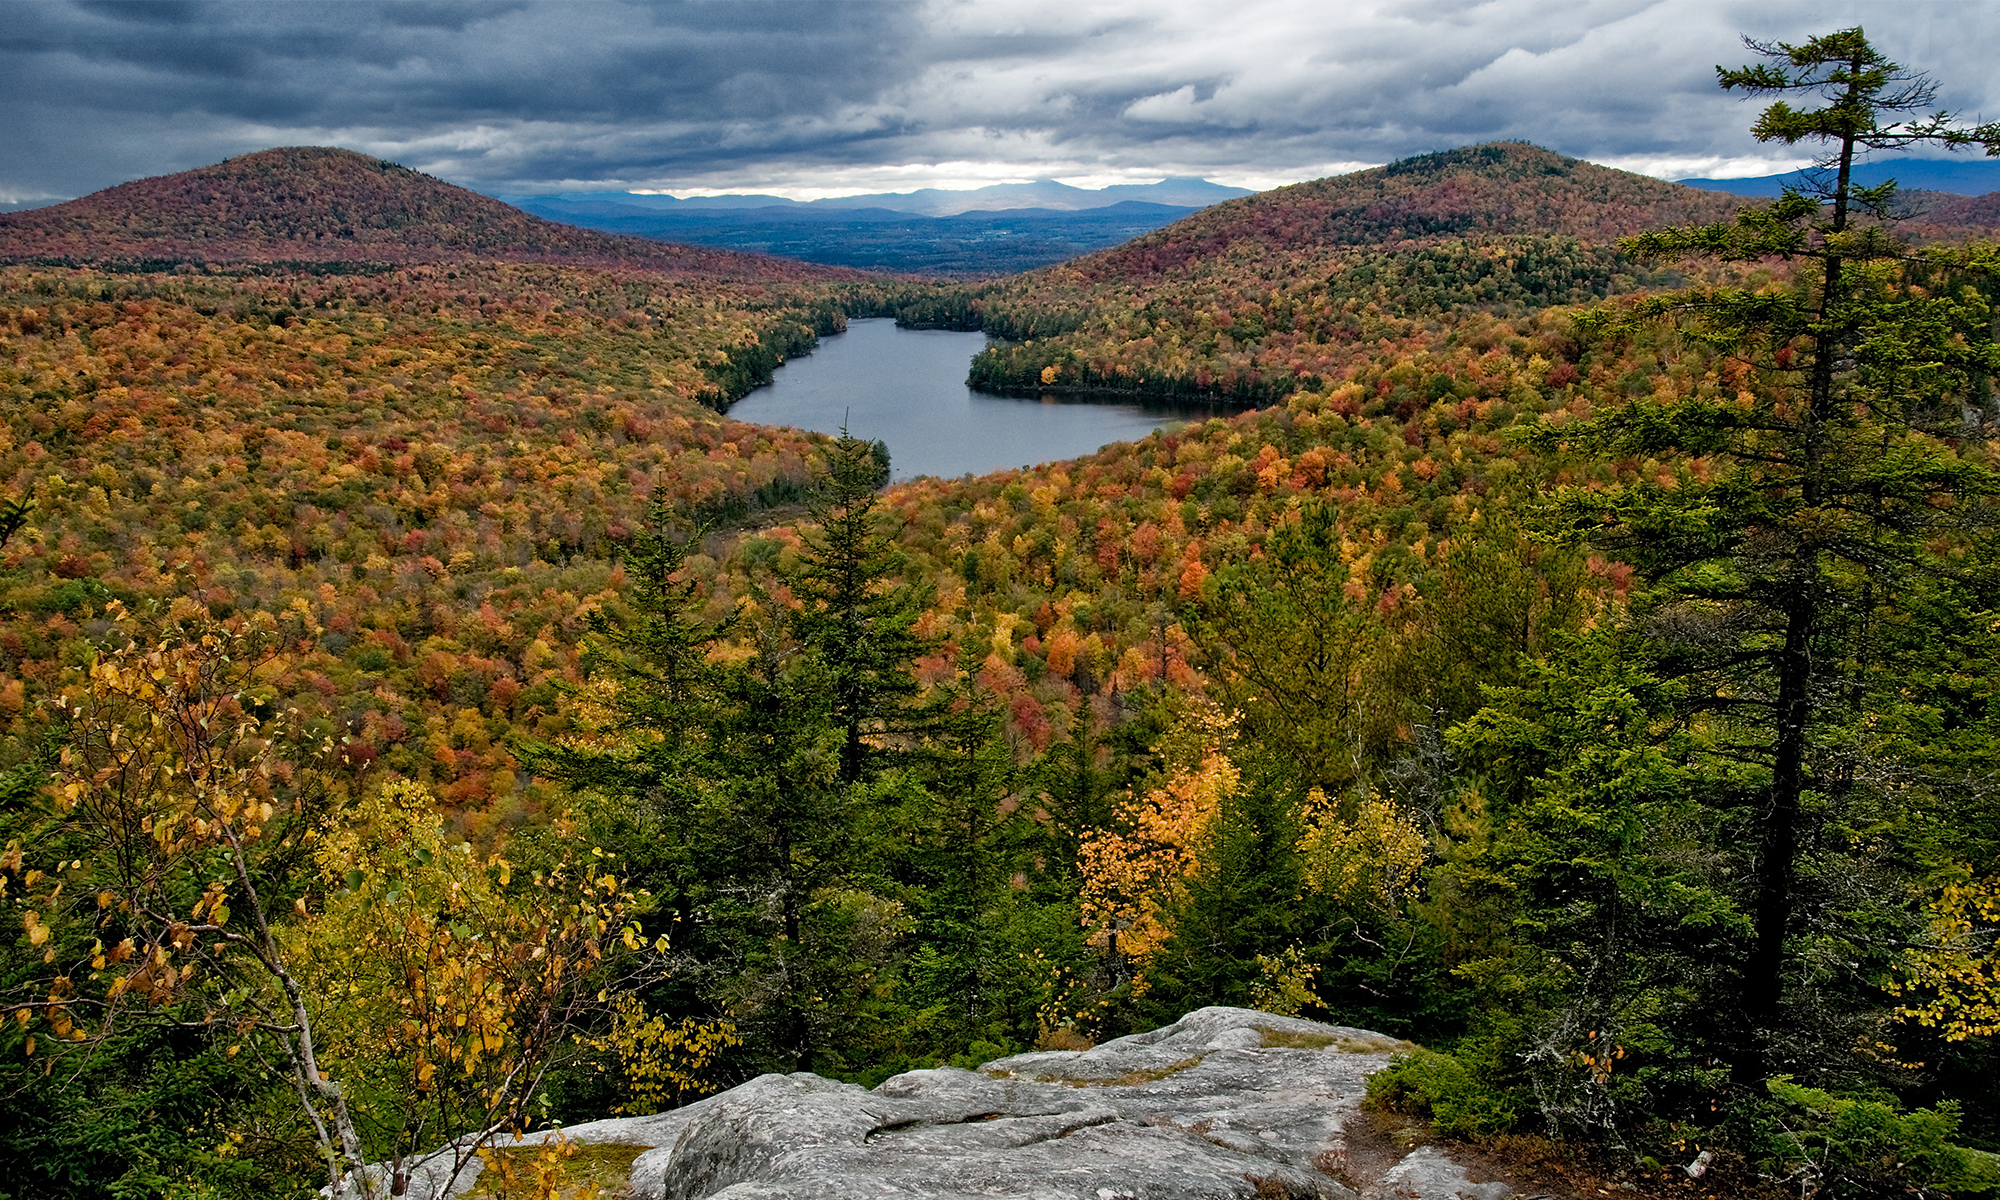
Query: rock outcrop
pixel 1224 1103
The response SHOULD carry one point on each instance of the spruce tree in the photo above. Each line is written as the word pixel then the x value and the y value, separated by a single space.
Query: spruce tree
pixel 1833 481
pixel 850 614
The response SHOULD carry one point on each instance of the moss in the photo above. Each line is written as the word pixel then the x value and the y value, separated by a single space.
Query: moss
pixel 596 1169
pixel 1345 1043
pixel 1128 1079
pixel 1423 1083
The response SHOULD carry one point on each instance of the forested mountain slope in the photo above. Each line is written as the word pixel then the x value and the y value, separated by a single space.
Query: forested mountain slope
pixel 402 452
pixel 1496 190
pixel 1240 301
pixel 1243 301
pixel 321 205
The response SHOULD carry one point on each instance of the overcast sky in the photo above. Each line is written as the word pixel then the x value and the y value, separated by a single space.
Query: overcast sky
pixel 825 97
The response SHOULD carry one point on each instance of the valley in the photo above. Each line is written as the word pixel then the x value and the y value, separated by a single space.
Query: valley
pixel 1549 640
pixel 906 387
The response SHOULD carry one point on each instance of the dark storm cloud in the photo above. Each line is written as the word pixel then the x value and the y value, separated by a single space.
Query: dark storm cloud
pixel 100 92
pixel 873 96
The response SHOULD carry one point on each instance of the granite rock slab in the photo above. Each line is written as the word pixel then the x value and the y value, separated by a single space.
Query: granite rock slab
pixel 1224 1103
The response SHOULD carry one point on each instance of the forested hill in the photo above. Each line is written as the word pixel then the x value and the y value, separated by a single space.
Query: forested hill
pixel 1978 214
pixel 1500 189
pixel 309 204
pixel 1251 299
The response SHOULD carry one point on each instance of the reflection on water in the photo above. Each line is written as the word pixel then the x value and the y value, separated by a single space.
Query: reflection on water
pixel 907 387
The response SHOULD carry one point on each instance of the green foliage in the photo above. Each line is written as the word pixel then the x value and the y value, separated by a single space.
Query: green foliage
pixel 145 1117
pixel 1851 1148
pixel 1311 670
pixel 1792 540
pixel 849 614
pixel 1425 1083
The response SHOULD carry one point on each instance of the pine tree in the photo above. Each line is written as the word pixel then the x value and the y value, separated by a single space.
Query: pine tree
pixel 1834 481
pixel 717 776
pixel 850 614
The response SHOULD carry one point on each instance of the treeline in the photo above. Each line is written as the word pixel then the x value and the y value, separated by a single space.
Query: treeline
pixel 1240 303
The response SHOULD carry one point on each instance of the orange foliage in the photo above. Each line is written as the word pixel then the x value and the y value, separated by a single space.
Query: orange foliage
pixel 1135 873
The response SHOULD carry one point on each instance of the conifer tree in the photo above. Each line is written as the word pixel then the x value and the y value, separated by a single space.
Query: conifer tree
pixel 1832 483
pixel 849 614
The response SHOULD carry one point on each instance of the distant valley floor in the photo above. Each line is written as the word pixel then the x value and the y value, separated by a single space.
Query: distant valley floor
pixel 985 243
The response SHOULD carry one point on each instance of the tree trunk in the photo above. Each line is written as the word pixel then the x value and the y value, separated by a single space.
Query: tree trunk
pixel 1764 982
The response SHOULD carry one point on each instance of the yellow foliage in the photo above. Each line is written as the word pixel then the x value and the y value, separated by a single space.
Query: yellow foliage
pixel 436 978
pixel 1284 984
pixel 540 1177
pixel 1134 874
pixel 1959 970
pixel 663 1064
pixel 1371 860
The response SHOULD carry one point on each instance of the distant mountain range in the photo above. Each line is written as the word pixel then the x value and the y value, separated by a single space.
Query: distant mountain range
pixel 1962 176
pixel 929 202
pixel 993 230
pixel 318 205
pixel 975 243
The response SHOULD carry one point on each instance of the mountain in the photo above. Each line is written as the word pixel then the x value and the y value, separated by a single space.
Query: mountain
pixel 1239 302
pixel 973 243
pixel 935 202
pixel 1500 189
pixel 976 232
pixel 1968 212
pixel 315 204
pixel 1242 301
pixel 1960 176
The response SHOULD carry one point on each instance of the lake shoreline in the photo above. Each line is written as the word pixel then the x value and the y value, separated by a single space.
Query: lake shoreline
pixel 907 388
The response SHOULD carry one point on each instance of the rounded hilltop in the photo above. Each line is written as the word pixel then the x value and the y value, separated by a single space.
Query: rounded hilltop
pixel 1499 189
pixel 318 204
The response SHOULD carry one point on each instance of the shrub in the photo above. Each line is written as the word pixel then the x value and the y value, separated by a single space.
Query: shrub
pixel 1424 1083
pixel 1863 1148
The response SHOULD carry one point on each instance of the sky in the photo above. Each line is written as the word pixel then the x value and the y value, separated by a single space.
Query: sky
pixel 811 98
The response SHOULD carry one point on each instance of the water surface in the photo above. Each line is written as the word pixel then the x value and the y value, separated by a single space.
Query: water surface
pixel 907 387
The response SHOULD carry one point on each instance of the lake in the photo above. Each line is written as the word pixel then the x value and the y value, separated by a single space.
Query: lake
pixel 907 387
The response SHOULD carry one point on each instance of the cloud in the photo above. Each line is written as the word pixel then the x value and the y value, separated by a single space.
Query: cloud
pixel 823 96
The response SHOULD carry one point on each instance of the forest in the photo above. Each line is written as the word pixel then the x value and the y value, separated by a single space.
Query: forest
pixel 424 712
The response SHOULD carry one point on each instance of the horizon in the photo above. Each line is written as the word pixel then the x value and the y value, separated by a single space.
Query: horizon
pixel 808 195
